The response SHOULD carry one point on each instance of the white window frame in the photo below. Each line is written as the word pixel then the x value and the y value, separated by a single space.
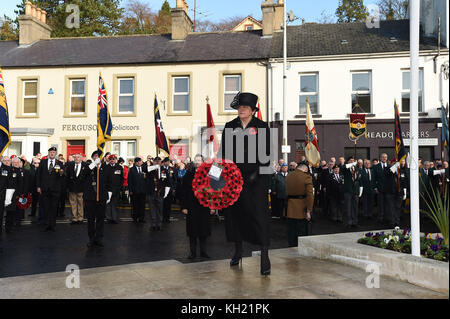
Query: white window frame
pixel 421 90
pixel 24 82
pixel 309 93
pixel 125 95
pixel 77 95
pixel 362 92
pixel 226 107
pixel 123 149
pixel 188 94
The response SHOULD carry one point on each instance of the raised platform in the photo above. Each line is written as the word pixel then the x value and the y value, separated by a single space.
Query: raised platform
pixel 293 277
pixel 343 248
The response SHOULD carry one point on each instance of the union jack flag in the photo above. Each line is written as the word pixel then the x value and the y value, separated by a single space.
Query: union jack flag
pixel 104 124
pixel 5 134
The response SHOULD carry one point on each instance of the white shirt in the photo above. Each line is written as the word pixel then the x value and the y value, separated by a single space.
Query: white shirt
pixel 139 169
pixel 77 169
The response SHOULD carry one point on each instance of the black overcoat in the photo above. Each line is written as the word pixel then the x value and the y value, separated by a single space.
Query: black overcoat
pixel 198 217
pixel 248 219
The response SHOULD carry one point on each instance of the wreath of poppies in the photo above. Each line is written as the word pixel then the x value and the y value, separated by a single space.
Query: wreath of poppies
pixel 222 197
pixel 24 202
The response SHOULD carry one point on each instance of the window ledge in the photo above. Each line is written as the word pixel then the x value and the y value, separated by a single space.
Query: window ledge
pixel 367 114
pixel 420 114
pixel 74 115
pixel 123 114
pixel 303 116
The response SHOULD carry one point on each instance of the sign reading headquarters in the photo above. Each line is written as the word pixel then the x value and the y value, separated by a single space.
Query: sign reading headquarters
pixel 93 127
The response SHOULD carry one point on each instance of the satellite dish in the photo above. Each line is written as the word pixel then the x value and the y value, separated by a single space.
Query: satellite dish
pixel 291 16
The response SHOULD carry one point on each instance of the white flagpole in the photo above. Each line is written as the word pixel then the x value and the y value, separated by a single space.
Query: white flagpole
pixel 414 126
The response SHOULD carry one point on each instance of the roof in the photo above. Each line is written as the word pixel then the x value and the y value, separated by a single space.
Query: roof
pixel 303 41
pixel 259 23
pixel 198 47
pixel 325 39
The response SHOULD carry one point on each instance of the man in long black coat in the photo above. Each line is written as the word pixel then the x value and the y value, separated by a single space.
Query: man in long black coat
pixel 242 141
pixel 197 216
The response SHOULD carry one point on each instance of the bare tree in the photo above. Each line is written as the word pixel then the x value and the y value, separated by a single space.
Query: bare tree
pixel 138 18
pixel 326 18
pixel 223 25
pixel 393 9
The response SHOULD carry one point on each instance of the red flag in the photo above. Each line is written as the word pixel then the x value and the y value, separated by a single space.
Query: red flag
pixel 259 113
pixel 210 130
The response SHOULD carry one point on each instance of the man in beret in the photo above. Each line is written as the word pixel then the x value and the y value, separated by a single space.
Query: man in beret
pixel 243 139
pixel 168 179
pixel 137 188
pixel 49 178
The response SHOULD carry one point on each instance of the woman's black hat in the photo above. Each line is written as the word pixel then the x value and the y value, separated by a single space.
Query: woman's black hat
pixel 248 99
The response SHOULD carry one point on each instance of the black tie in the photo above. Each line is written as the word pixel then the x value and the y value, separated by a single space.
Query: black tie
pixel 51 166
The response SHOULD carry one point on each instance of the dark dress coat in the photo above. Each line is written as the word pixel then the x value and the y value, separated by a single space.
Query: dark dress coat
pixel 248 219
pixel 16 181
pixel 90 183
pixel 198 217
pixel 75 183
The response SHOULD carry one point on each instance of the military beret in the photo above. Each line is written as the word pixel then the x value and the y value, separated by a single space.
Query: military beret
pixel 284 164
pixel 95 153
pixel 137 159
pixel 248 99
pixel 166 159
pixel 52 149
pixel 112 156
pixel 157 158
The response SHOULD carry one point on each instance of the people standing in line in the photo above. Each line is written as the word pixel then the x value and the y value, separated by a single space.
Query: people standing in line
pixel 248 219
pixel 95 209
pixel 137 188
pixel 50 176
pixel 75 184
pixel 117 181
pixel 198 226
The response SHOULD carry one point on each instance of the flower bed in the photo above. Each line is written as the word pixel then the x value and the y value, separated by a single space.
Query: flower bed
pixel 400 240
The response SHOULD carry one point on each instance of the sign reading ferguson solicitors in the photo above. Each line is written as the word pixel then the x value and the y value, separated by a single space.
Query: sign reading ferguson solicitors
pixel 93 127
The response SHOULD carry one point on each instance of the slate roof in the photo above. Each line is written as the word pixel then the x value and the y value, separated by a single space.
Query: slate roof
pixel 304 40
pixel 325 39
pixel 198 47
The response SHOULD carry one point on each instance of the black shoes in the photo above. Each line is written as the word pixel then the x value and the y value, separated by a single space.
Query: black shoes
pixel 98 243
pixel 265 262
pixel 237 258
pixel 235 261
pixel 204 255
pixel 192 256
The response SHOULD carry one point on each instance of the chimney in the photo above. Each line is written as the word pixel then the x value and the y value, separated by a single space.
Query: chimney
pixel 32 25
pixel 181 23
pixel 273 14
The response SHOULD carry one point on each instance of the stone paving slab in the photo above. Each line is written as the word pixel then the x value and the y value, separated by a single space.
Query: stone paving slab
pixel 344 248
pixel 293 277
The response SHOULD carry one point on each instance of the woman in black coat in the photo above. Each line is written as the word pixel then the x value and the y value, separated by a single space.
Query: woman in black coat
pixel 244 143
pixel 197 217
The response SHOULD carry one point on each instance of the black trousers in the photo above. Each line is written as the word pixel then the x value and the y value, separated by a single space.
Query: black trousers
pixel 138 203
pixel 351 208
pixel 95 214
pixel 51 200
pixel 167 208
pixel 193 244
pixel 296 228
pixel 2 209
pixel 367 204
pixel 34 203
pixel 279 205
pixel 386 207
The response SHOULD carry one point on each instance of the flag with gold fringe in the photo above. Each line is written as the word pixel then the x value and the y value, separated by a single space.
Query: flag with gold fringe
pixel 311 142
pixel 5 133
pixel 104 124
pixel 400 152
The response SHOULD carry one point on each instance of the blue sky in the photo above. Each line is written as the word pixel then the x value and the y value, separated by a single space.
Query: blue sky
pixel 216 10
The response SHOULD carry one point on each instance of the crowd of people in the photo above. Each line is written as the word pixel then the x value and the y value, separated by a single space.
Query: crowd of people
pixel 347 189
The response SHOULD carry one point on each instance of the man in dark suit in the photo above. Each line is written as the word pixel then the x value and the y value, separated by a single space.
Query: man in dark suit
pixel 368 184
pixel 384 199
pixel 95 209
pixel 352 191
pixel 336 194
pixel 156 191
pixel 425 176
pixel 137 189
pixel 75 183
pixel 168 178
pixel 49 178
pixel 116 172
pixel 4 177
pixel 34 194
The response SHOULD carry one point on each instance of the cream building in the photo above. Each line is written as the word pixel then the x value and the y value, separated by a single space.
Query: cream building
pixel 52 85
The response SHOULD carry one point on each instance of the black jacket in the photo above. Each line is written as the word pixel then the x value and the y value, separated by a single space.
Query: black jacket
pixel 90 183
pixel 75 183
pixel 50 181
pixel 116 172
pixel 137 182
pixel 16 181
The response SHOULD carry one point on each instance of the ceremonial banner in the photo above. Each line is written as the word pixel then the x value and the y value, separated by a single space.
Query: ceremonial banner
pixel 400 152
pixel 259 112
pixel 5 134
pixel 104 124
pixel 311 141
pixel 357 126
pixel 211 132
pixel 161 141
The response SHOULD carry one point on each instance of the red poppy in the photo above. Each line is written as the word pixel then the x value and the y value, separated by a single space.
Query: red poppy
pixel 253 131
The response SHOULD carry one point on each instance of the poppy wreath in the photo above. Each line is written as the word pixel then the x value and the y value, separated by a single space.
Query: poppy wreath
pixel 218 198
pixel 24 202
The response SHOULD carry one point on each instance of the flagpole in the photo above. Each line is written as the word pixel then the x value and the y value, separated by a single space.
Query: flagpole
pixel 414 125
pixel 98 180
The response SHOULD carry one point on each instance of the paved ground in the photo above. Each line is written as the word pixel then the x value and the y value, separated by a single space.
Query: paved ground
pixel 29 251
pixel 292 277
